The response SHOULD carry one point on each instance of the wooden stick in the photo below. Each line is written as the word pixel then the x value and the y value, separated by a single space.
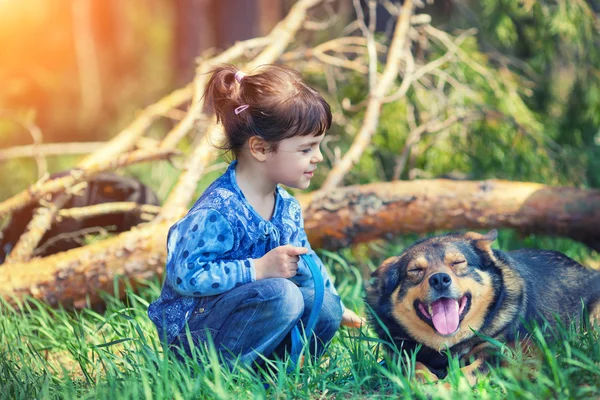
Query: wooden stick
pixel 41 220
pixel 49 149
pixel 363 138
pixel 116 207
pixel 49 187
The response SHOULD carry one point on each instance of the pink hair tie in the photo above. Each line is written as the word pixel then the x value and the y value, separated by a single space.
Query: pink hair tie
pixel 239 76
pixel 240 109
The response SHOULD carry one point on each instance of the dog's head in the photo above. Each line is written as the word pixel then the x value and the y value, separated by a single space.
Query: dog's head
pixel 439 289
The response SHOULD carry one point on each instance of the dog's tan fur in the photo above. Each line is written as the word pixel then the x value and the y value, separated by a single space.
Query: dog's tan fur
pixel 501 289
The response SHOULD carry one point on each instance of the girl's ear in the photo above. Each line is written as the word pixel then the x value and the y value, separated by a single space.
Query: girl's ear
pixel 259 148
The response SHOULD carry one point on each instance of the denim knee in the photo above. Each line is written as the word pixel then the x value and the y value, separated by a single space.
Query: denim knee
pixel 284 300
pixel 330 316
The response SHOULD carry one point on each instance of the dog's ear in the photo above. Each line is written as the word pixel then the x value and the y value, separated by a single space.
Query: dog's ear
pixel 387 275
pixel 483 243
pixel 385 265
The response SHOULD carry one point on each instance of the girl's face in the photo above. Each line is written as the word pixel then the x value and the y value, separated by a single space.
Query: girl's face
pixel 295 160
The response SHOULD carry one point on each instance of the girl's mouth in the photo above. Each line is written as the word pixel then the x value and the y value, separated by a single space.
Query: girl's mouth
pixel 309 174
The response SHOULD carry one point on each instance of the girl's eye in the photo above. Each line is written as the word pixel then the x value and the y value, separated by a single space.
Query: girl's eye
pixel 306 151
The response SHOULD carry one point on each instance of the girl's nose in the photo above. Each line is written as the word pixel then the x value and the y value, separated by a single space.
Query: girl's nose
pixel 318 156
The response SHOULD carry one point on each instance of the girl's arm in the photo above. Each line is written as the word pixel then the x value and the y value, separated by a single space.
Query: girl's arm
pixel 195 248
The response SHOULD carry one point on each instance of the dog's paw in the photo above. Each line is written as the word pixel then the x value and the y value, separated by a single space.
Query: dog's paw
pixel 423 374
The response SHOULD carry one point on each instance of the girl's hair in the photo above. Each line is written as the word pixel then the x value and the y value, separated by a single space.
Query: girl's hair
pixel 278 105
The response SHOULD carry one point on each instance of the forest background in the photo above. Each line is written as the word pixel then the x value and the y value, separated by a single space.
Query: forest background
pixel 519 100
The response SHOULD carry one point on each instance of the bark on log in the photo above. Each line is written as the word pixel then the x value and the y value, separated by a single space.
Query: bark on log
pixel 333 220
pixel 356 214
pixel 76 278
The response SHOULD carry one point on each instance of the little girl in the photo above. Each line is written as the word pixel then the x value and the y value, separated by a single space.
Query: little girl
pixel 233 269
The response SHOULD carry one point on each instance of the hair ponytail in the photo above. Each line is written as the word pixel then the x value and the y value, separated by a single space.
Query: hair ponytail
pixel 221 91
pixel 271 101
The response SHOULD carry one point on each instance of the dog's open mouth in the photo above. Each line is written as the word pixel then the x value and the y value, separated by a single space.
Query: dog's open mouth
pixel 444 314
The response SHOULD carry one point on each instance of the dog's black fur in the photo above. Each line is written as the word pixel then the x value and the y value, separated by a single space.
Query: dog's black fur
pixel 501 291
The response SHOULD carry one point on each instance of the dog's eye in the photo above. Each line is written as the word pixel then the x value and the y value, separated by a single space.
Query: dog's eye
pixel 458 262
pixel 415 270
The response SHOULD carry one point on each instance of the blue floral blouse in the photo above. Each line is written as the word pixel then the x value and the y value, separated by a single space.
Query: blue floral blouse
pixel 211 250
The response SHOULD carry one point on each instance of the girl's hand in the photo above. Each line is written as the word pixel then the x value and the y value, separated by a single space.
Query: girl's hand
pixel 352 320
pixel 281 262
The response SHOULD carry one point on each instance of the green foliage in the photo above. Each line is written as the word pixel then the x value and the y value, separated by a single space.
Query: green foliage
pixel 530 75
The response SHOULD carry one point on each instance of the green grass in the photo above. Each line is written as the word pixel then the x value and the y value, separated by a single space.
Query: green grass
pixel 52 353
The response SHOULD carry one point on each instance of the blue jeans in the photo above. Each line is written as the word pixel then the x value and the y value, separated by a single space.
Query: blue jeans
pixel 257 318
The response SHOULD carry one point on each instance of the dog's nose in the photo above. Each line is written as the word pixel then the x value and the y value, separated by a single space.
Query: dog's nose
pixel 440 281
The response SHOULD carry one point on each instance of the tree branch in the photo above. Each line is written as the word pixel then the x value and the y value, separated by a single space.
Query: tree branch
pixel 49 149
pixel 52 186
pixel 415 135
pixel 363 138
pixel 116 207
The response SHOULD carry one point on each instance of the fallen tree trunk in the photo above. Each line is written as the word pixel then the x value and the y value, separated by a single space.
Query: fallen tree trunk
pixel 333 220
pixel 355 214
pixel 76 278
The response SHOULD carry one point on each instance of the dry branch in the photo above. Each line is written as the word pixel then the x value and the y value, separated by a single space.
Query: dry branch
pixel 108 208
pixel 127 138
pixel 44 216
pixel 428 68
pixel 415 135
pixel 52 186
pixel 41 221
pixel 363 138
pixel 49 149
pixel 347 44
pixel 99 161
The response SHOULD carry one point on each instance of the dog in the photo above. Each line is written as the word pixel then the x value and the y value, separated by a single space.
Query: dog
pixel 103 188
pixel 444 292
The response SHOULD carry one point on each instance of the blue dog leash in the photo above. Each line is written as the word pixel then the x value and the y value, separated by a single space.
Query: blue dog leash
pixel 297 339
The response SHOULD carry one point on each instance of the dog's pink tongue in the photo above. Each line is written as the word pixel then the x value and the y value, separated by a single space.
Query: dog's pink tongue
pixel 445 316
